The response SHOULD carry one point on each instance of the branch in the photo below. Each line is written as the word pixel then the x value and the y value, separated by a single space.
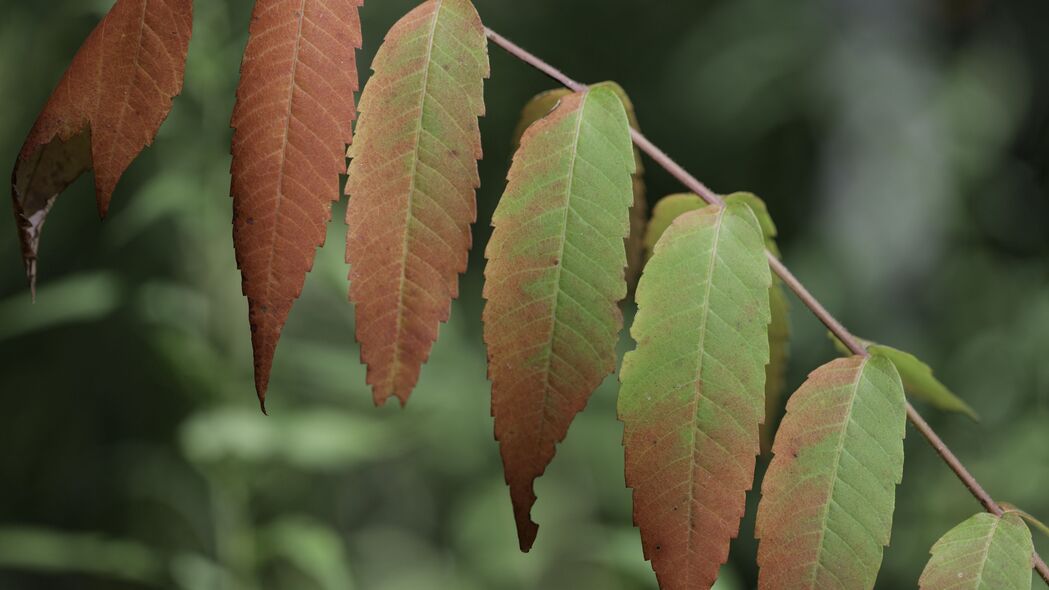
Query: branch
pixel 792 282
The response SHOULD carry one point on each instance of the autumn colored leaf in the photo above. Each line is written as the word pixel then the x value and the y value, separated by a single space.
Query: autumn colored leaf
pixel 105 110
pixel 555 274
pixel 918 379
pixel 670 208
pixel 412 184
pixel 545 102
pixel 692 392
pixel 985 552
pixel 292 121
pixel 828 495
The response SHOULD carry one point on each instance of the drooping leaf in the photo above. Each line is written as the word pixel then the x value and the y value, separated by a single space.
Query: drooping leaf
pixel 105 110
pixel 292 121
pixel 539 107
pixel 984 552
pixel 555 274
pixel 692 392
pixel 671 207
pixel 412 182
pixel 918 379
pixel 828 495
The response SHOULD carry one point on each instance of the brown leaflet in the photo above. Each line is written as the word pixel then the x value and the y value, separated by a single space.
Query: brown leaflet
pixel 104 111
pixel 413 173
pixel 291 124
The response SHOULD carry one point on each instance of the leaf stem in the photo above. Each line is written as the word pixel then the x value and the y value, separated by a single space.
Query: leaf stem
pixel 792 282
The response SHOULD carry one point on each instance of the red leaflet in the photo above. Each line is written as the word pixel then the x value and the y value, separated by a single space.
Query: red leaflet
pixel 105 110
pixel 411 186
pixel 291 125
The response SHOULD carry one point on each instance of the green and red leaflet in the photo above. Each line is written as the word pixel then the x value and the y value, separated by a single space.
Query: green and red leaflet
pixel 828 496
pixel 692 395
pixel 292 121
pixel 984 552
pixel 104 111
pixel 554 278
pixel 412 182
pixel 670 208
pixel 539 107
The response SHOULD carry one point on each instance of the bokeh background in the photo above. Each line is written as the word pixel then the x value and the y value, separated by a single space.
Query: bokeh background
pixel 902 146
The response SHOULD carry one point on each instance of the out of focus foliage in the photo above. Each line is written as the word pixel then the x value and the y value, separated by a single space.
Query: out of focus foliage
pixel 902 147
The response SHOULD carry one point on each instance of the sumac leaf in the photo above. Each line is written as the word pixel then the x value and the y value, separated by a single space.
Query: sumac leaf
pixel 692 392
pixel 539 107
pixel 292 121
pixel 672 206
pixel 828 496
pixel 412 182
pixel 105 110
pixel 554 277
pixel 984 552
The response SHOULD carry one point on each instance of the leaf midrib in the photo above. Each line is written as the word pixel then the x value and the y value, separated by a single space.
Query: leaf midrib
pixel 410 209
pixel 817 562
pixel 561 262
pixel 697 379
pixel 986 550
pixel 284 144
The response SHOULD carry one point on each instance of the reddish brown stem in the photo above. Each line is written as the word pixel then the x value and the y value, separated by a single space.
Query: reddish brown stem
pixel 792 282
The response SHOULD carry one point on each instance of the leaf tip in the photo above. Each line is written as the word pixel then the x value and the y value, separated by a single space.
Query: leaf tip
pixel 522 496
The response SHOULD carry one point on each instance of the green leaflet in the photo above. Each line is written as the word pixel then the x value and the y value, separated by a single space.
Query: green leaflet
pixel 828 495
pixel 918 378
pixel 554 278
pixel 672 206
pixel 984 552
pixel 692 392
pixel 540 106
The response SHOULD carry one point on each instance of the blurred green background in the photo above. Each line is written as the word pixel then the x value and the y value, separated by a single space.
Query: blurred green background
pixel 902 146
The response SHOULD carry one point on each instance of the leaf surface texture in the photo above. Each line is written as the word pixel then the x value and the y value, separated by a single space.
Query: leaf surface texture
pixel 292 120
pixel 692 394
pixel 539 107
pixel 828 496
pixel 104 111
pixel 984 552
pixel 412 182
pixel 670 208
pixel 554 277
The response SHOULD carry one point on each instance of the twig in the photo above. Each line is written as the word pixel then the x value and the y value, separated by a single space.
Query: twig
pixel 792 282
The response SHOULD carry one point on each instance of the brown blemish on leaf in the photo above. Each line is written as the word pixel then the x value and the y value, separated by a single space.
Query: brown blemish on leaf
pixel 104 111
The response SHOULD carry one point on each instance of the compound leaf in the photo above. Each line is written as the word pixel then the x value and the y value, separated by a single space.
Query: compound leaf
pixel 828 495
pixel 412 182
pixel 692 392
pixel 105 110
pixel 984 552
pixel 292 121
pixel 672 206
pixel 539 107
pixel 555 274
